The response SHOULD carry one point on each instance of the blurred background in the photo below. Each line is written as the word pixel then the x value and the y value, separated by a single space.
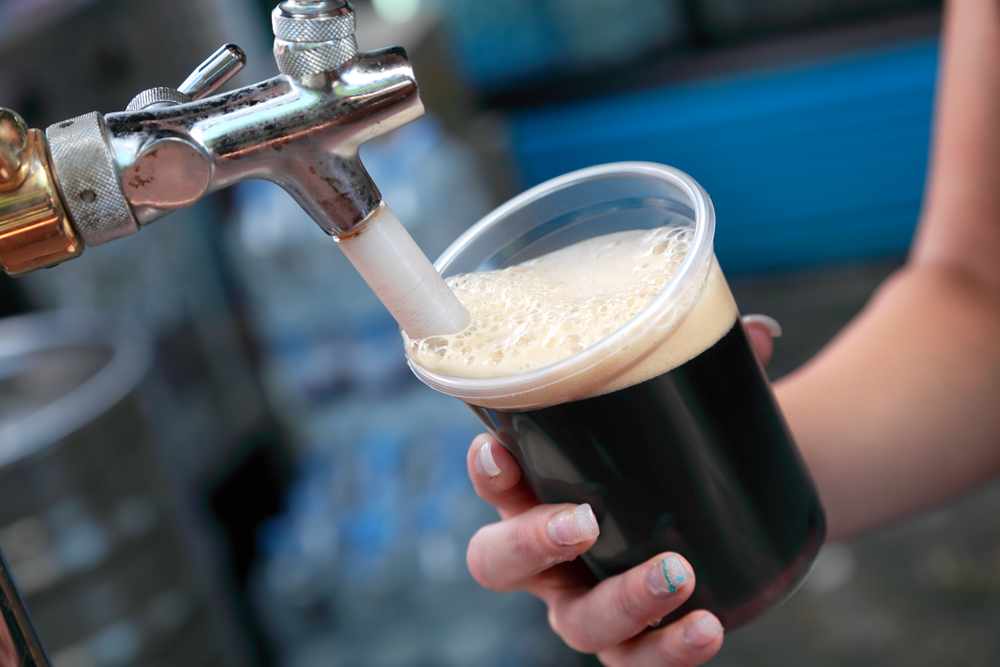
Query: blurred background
pixel 211 449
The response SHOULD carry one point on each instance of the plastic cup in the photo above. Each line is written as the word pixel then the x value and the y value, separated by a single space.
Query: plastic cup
pixel 668 427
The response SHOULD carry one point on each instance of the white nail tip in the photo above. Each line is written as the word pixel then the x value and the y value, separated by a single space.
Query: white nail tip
pixel 485 457
pixel 571 527
pixel 769 323
pixel 586 522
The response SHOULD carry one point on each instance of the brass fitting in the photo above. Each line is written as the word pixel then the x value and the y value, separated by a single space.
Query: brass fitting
pixel 35 231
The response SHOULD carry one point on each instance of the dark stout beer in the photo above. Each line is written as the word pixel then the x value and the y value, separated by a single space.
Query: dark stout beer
pixel 617 372
pixel 697 460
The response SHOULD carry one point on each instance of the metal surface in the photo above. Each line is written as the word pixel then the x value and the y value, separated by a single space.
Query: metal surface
pixel 26 429
pixel 158 95
pixel 296 23
pixel 220 67
pixel 88 178
pixel 301 130
pixel 313 37
pixel 87 522
pixel 305 59
pixel 13 141
pixel 303 135
pixel 34 229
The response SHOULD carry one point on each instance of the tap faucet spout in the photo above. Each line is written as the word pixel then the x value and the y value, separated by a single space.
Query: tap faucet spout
pixel 302 133
pixel 302 130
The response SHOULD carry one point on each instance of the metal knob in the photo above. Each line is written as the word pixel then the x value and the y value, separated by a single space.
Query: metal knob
pixel 220 67
pixel 313 36
pixel 13 141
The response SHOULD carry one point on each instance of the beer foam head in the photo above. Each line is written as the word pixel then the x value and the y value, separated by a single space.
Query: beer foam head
pixel 544 310
pixel 535 314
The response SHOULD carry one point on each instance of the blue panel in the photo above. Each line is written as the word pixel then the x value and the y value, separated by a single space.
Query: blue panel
pixel 503 43
pixel 812 163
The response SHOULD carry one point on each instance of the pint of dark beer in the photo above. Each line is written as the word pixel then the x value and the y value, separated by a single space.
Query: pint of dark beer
pixel 607 354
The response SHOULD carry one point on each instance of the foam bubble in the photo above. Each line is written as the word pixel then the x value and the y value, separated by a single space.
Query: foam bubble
pixel 534 314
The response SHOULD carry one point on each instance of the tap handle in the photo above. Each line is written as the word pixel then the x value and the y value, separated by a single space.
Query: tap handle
pixel 219 68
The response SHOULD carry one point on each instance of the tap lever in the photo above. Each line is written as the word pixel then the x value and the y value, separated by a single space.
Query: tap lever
pixel 220 67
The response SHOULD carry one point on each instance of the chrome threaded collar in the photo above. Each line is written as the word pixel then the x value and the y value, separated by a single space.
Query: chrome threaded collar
pixel 313 37
pixel 87 173
pixel 313 29
pixel 314 58
pixel 148 98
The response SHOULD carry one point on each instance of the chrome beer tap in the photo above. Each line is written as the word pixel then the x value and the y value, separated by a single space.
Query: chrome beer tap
pixel 97 178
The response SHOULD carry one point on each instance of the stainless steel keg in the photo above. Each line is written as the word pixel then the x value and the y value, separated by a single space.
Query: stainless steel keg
pixel 87 526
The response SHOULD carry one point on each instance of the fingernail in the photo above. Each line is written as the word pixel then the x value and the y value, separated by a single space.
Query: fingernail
pixel 486 462
pixel 666 577
pixel 769 323
pixel 574 526
pixel 702 632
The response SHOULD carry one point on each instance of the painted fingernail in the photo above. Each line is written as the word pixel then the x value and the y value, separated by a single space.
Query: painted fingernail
pixel 486 462
pixel 769 323
pixel 574 526
pixel 667 576
pixel 702 632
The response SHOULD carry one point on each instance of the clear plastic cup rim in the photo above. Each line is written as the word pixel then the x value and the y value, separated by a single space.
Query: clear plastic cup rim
pixel 494 389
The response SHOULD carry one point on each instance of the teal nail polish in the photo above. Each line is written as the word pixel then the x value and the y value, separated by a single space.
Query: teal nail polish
pixel 667 577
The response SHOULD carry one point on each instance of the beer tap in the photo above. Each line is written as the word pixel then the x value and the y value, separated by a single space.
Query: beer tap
pixel 97 178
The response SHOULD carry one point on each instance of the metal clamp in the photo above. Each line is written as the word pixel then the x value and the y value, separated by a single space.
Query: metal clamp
pixel 87 173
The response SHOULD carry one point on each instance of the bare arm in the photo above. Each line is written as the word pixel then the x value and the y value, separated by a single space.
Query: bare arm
pixel 902 410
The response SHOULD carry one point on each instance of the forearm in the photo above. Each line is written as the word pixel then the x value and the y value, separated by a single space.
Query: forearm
pixel 960 224
pixel 902 410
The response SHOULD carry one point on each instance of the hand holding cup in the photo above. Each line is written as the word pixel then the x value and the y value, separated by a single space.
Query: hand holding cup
pixel 534 547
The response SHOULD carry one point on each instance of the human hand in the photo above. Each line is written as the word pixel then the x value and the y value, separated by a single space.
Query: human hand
pixel 534 547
